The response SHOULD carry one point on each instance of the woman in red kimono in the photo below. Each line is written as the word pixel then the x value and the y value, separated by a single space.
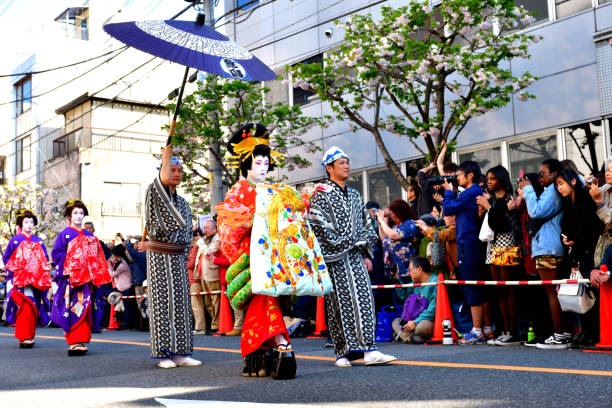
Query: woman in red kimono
pixel 78 304
pixel 29 280
pixel 265 345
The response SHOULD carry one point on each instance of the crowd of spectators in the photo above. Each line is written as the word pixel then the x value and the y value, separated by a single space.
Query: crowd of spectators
pixel 470 225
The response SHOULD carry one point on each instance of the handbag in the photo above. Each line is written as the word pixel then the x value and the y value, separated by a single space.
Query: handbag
pixel 436 250
pixel 486 233
pixel 506 256
pixel 575 297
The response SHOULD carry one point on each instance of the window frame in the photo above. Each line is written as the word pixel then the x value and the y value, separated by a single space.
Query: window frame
pixel 18 88
pixel 21 149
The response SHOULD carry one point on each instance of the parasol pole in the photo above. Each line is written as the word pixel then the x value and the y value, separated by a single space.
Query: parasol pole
pixel 177 107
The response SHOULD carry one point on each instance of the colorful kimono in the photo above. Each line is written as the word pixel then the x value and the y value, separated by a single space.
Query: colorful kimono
pixel 28 282
pixel 168 220
pixel 264 318
pixel 78 304
pixel 342 225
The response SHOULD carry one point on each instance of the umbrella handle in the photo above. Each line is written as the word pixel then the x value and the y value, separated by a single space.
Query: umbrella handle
pixel 171 132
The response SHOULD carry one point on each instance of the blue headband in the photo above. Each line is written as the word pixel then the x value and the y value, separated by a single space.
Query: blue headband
pixel 332 154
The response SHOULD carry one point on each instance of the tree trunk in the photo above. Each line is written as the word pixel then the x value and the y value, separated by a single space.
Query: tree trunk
pixel 389 162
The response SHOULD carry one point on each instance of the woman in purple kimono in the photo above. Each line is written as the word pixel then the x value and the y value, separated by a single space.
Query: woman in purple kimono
pixel 28 280
pixel 78 304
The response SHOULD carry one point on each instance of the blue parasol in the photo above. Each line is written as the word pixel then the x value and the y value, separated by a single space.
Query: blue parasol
pixel 194 45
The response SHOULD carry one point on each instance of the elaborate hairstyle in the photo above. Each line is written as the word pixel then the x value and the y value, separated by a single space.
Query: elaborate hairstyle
pixel 503 178
pixel 72 204
pixel 402 210
pixel 25 213
pixel 249 141
pixel 471 167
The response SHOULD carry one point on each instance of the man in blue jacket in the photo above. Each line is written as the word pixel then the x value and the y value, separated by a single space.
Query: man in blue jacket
pixel 470 251
pixel 546 247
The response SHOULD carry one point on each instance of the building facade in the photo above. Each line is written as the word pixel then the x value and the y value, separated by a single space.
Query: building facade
pixel 569 119
pixel 93 130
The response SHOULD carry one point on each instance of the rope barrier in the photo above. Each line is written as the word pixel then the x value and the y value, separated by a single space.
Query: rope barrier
pixel 446 282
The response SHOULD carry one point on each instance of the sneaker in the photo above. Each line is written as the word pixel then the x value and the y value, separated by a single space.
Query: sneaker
pixel 507 339
pixel 472 338
pixel 554 342
pixel 490 337
pixel 535 341
pixel 199 332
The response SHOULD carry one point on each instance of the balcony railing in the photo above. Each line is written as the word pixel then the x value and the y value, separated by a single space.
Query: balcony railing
pixel 121 208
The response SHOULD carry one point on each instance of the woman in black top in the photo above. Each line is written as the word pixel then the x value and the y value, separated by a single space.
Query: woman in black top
pixel 581 227
pixel 503 222
pixel 580 230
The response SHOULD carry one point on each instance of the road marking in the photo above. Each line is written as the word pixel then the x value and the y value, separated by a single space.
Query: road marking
pixel 398 362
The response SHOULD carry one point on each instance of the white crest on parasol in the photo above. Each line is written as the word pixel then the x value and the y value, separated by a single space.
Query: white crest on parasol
pixel 159 29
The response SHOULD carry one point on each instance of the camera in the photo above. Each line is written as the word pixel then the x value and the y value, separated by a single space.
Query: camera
pixel 198 231
pixel 437 180
pixel 329 32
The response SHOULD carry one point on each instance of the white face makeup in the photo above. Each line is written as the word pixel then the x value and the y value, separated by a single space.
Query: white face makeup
pixel 76 218
pixel 259 169
pixel 27 226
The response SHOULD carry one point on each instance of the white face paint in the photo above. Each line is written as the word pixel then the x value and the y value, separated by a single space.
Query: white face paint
pixel 76 218
pixel 259 169
pixel 27 226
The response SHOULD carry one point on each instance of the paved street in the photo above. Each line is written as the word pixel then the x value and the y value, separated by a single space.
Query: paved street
pixel 118 372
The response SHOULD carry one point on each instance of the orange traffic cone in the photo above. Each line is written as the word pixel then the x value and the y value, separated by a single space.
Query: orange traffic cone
pixel 226 321
pixel 112 322
pixel 443 312
pixel 320 325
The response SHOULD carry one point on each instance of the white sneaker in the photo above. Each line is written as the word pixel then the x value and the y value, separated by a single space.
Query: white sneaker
pixel 185 361
pixel 501 339
pixel 343 362
pixel 166 363
pixel 376 358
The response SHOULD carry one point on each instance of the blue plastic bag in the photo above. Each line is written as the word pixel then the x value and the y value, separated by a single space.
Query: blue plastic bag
pixel 384 318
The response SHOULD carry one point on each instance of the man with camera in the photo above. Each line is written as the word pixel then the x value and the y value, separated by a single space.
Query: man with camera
pixel 470 252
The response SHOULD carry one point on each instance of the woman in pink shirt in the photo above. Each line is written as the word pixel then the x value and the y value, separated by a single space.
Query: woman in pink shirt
pixel 121 272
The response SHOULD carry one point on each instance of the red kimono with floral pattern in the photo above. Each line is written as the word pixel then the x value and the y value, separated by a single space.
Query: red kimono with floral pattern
pixel 30 266
pixel 263 319
pixel 85 262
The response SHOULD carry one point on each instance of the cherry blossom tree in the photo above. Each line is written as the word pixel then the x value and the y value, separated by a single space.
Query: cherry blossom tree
pixel 43 201
pixel 219 107
pixel 438 67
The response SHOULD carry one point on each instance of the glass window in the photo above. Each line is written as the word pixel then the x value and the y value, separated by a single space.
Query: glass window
pixel 486 158
pixel 540 7
pixel 356 182
pixel 529 154
pixel 23 95
pixel 301 96
pixel 584 145
pixel 22 154
pixel 568 7
pixel 383 187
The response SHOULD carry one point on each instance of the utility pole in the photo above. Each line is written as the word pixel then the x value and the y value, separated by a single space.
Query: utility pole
pixel 216 175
